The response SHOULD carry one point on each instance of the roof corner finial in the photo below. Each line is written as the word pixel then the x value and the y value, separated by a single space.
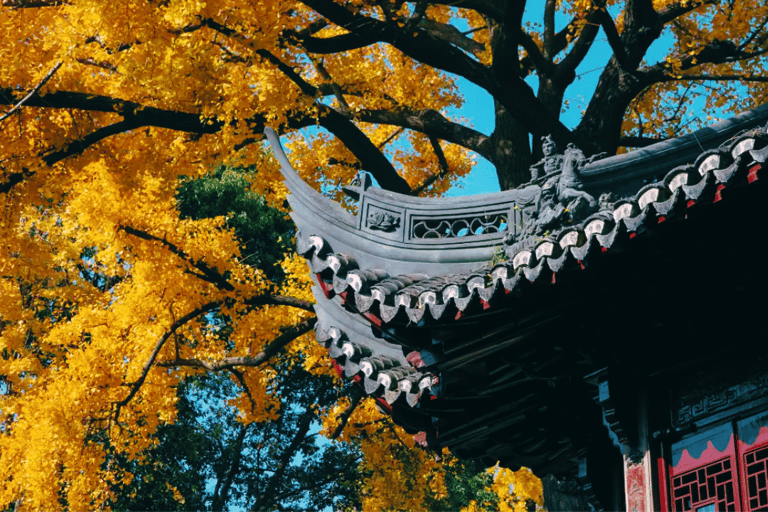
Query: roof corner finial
pixel 359 184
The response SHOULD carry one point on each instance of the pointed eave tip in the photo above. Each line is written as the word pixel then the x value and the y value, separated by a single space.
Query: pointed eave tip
pixel 301 192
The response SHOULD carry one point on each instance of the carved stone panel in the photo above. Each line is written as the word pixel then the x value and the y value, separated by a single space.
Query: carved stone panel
pixel 383 220
pixel 451 226
pixel 703 396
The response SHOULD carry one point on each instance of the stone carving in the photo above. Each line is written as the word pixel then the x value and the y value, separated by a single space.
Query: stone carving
pixel 552 161
pixel 470 225
pixel 562 200
pixel 383 221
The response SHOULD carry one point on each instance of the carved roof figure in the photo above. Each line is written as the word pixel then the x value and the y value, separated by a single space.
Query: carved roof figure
pixel 552 161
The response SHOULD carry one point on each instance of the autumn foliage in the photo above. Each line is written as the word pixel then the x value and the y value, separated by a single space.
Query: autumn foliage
pixel 110 298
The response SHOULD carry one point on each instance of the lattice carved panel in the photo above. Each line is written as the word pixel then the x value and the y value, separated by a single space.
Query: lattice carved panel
pixel 756 474
pixel 712 484
pixel 459 227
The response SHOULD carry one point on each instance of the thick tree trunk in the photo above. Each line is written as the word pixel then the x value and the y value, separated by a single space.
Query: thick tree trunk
pixel 605 113
pixel 618 84
pixel 511 150
pixel 511 153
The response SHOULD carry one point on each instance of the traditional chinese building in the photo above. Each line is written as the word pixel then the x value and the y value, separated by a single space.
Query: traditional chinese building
pixel 603 324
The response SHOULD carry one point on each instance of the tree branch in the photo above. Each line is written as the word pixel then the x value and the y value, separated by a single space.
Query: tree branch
pixel 34 91
pixel 30 4
pixel 543 65
pixel 148 365
pixel 337 92
pixel 280 300
pixel 220 498
pixel 452 35
pixel 416 43
pixel 92 138
pixel 208 273
pixel 357 395
pixel 444 170
pixel 431 123
pixel 350 135
pixel 614 39
pixel 677 9
pixel 370 157
pixel 13 179
pixel 146 116
pixel 549 29
pixel 288 335
pixel 285 459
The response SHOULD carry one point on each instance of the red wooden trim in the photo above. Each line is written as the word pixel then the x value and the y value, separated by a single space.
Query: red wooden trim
pixel 327 288
pixel 752 177
pixel 338 368
pixel 663 471
pixel 718 195
pixel 378 322
pixel 383 403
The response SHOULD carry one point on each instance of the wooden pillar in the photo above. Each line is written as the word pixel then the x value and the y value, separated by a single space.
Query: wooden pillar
pixel 639 487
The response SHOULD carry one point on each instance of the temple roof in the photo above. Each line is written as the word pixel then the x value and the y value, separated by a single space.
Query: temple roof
pixel 412 305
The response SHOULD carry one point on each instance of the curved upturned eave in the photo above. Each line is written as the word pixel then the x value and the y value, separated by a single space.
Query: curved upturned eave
pixel 322 206
pixel 316 214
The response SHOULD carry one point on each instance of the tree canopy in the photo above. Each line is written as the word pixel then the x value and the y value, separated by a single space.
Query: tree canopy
pixel 116 287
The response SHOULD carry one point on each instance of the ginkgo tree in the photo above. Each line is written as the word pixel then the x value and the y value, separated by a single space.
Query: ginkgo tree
pixel 107 292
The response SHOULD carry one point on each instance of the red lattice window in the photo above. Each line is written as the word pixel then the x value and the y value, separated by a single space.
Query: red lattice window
pixel 722 468
pixel 708 485
pixel 756 473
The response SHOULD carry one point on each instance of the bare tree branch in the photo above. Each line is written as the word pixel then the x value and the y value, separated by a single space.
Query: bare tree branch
pixel 451 34
pixel 34 91
pixel 614 39
pixel 542 64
